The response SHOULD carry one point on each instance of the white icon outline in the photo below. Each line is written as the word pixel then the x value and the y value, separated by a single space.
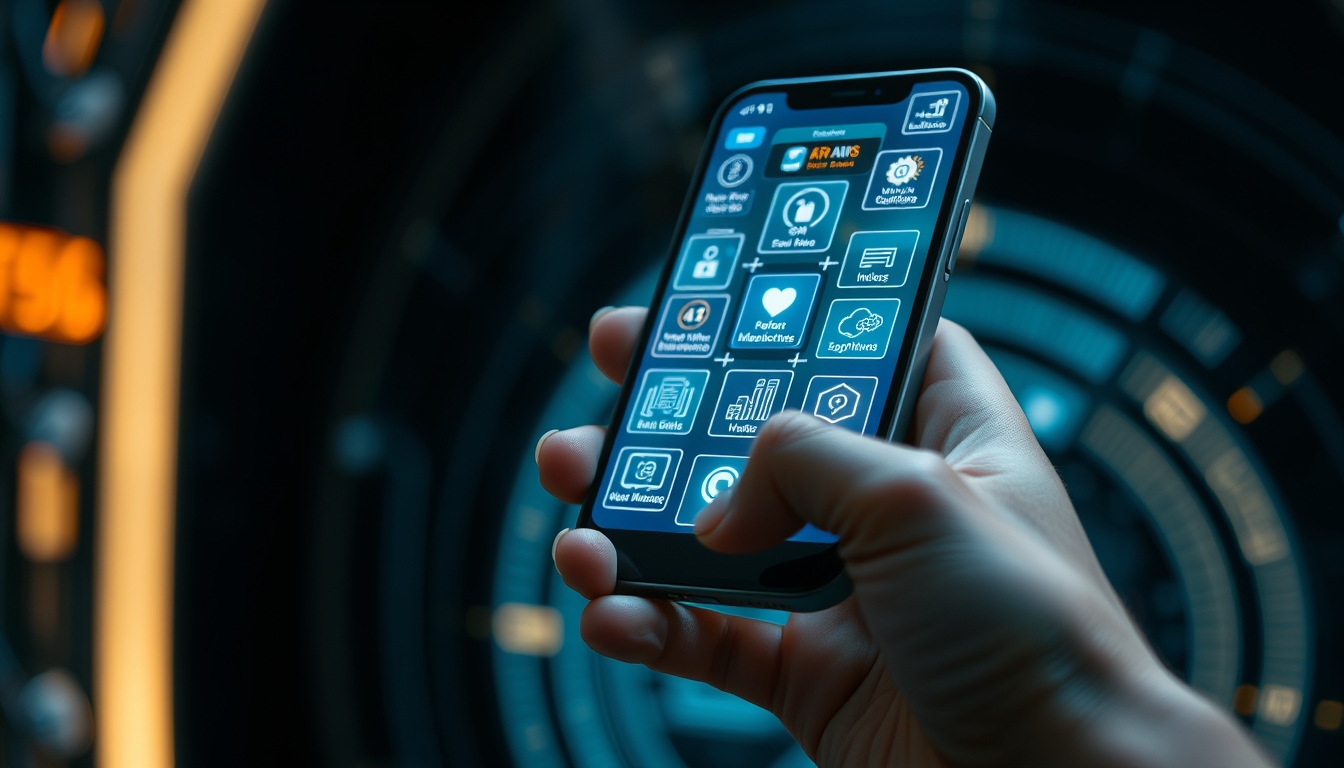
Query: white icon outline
pixel 878 172
pixel 775 399
pixel 849 249
pixel 808 206
pixel 726 270
pixel 889 322
pixel 687 495
pixel 741 158
pixel 846 381
pixel 621 465
pixel 641 394
pixel 837 205
pixel 667 309
pixel 952 108
pixel 807 319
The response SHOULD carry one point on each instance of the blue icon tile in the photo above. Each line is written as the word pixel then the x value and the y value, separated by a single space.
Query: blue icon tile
pixel 934 112
pixel 793 159
pixel 802 217
pixel 707 261
pixel 843 400
pixel 858 328
pixel 878 259
pixel 666 401
pixel 745 138
pixel 690 325
pixel 710 475
pixel 747 400
pixel 775 311
pixel 902 178
pixel 642 480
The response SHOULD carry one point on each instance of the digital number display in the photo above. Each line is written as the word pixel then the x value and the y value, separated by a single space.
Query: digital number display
pixel 51 284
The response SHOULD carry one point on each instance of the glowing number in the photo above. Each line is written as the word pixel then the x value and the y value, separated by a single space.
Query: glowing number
pixel 694 315
pixel 79 273
pixel 51 284
pixel 36 306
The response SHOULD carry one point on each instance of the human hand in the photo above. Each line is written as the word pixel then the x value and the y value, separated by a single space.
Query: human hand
pixel 982 630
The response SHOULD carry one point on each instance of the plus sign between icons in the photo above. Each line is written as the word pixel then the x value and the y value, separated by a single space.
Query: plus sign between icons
pixel 795 360
pixel 725 360
pixel 827 264
pixel 753 265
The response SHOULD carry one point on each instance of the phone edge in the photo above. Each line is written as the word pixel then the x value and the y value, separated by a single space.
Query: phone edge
pixel 839 588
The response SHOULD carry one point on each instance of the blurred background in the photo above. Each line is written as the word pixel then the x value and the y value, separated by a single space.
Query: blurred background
pixel 289 289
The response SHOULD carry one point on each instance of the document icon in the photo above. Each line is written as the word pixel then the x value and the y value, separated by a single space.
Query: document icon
pixel 874 257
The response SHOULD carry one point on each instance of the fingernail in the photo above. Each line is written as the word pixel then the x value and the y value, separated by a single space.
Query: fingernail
pixel 536 452
pixel 597 316
pixel 556 543
pixel 710 517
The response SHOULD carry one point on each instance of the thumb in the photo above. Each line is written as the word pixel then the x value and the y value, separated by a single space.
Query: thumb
pixel 874 496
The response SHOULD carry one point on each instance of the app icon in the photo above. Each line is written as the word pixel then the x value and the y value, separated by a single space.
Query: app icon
pixel 710 476
pixel 775 311
pixel 707 260
pixel 904 169
pixel 793 159
pixel 843 400
pixel 747 400
pixel 667 401
pixel 931 112
pixel 745 138
pixel 642 479
pixel 878 259
pixel 735 170
pixel 690 325
pixel 858 328
pixel 802 217
pixel 902 178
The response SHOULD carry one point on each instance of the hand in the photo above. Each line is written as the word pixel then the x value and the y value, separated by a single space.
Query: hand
pixel 981 631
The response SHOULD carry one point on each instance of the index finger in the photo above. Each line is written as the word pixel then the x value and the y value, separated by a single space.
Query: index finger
pixel 612 335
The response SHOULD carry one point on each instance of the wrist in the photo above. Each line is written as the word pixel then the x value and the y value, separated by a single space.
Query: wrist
pixel 1152 720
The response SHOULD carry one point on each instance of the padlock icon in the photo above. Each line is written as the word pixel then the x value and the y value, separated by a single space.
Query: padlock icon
pixel 708 265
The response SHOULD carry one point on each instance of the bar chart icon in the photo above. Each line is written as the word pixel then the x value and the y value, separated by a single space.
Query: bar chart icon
pixel 748 399
pixel 756 406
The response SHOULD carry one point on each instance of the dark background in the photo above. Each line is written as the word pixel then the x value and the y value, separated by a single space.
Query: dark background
pixel 336 111
pixel 408 211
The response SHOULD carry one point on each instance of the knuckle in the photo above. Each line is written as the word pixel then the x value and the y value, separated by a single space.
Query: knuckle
pixel 783 429
pixel 922 484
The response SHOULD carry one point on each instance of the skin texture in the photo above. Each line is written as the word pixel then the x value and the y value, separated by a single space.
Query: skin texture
pixel 981 631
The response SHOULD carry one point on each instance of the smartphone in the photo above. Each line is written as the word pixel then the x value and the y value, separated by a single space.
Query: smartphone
pixel 807 271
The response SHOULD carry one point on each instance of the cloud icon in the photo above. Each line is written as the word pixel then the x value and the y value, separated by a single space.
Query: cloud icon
pixel 859 322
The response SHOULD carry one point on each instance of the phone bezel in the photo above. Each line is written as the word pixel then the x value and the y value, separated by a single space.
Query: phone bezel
pixel 791 575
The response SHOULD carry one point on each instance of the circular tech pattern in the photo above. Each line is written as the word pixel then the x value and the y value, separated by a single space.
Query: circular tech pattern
pixel 1180 508
pixel 1152 266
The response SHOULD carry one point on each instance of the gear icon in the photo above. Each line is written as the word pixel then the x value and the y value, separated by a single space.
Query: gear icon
pixel 905 170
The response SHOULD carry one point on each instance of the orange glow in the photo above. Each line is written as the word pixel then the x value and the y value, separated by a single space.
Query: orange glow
pixel 133 623
pixel 51 284
pixel 1329 715
pixel 1243 701
pixel 1245 405
pixel 48 510
pixel 73 37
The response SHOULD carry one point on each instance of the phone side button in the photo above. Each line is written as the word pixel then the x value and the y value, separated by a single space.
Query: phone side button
pixel 956 240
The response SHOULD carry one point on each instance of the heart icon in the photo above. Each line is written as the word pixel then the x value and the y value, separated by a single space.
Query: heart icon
pixel 776 301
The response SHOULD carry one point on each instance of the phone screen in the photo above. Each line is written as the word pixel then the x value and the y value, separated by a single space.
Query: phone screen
pixel 792 287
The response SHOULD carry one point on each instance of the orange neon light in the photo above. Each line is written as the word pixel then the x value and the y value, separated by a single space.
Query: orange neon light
pixel 73 37
pixel 51 284
pixel 47 523
pixel 133 650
